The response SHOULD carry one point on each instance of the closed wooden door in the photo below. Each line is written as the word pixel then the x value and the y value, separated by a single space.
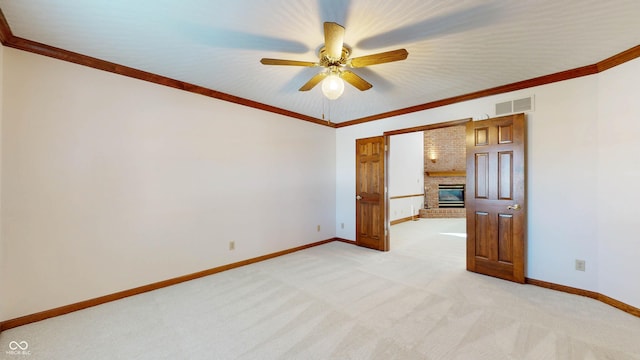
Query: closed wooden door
pixel 371 217
pixel 495 197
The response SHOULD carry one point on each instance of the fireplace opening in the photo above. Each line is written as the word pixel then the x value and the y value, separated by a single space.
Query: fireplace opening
pixel 451 196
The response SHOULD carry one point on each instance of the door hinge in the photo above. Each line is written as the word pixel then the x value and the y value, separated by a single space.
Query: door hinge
pixel 386 148
pixel 386 231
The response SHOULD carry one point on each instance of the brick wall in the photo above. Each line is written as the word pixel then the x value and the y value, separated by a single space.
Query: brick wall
pixel 448 147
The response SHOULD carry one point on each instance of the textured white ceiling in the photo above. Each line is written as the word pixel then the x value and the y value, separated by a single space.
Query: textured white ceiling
pixel 455 47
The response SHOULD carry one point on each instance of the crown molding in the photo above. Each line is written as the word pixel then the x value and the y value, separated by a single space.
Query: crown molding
pixel 619 59
pixel 606 64
pixel 542 80
pixel 8 39
pixel 5 30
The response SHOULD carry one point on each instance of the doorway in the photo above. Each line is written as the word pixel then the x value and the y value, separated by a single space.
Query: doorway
pixel 426 172
pixel 496 201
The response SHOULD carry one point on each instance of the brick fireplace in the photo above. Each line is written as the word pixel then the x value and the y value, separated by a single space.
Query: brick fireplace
pixel 444 165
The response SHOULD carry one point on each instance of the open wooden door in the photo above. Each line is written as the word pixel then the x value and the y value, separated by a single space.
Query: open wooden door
pixel 371 216
pixel 495 197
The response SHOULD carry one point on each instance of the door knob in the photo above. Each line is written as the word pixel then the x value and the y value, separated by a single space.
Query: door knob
pixel 514 207
pixel 358 197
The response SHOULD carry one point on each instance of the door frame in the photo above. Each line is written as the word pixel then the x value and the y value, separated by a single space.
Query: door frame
pixel 387 135
pixel 444 125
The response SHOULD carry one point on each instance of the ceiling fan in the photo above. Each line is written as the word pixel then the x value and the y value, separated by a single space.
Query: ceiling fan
pixel 334 57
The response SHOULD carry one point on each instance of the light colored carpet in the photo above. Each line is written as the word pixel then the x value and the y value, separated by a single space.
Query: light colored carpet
pixel 339 301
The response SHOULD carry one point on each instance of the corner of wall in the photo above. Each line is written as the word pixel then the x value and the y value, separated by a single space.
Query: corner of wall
pixel 617 143
pixel 2 252
pixel 145 177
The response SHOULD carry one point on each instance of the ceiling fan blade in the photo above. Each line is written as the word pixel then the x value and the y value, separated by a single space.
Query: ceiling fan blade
pixel 379 58
pixel 267 61
pixel 333 40
pixel 355 80
pixel 314 81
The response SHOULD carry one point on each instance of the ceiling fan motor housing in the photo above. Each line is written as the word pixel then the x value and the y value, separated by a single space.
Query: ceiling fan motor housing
pixel 327 61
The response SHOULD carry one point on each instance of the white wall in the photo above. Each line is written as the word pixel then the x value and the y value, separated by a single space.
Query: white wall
pixel 2 251
pixel 406 174
pixel 110 183
pixel 576 153
pixel 617 198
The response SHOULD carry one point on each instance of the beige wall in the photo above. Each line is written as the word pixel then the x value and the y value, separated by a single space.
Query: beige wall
pixel 3 270
pixel 111 183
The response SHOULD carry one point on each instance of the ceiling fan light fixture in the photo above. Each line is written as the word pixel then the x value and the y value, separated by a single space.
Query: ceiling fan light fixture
pixel 334 57
pixel 332 86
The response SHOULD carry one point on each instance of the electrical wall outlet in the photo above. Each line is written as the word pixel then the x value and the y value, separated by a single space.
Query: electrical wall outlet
pixel 342 225
pixel 232 245
pixel 318 228
pixel 580 265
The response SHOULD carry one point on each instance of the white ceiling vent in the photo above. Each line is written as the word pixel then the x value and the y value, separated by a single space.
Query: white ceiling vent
pixel 515 106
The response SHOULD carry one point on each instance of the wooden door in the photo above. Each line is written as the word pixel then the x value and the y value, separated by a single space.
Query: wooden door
pixel 371 216
pixel 495 197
